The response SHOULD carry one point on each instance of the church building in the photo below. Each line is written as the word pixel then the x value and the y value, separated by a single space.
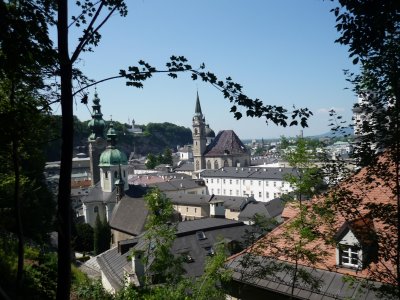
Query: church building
pixel 109 169
pixel 214 152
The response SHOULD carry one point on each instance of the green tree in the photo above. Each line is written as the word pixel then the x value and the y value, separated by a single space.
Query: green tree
pixel 26 55
pixel 102 236
pixel 160 234
pixel 84 238
pixel 167 157
pixel 371 30
pixel 215 279
pixel 151 161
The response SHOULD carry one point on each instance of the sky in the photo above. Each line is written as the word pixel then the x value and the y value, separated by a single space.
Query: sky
pixel 282 52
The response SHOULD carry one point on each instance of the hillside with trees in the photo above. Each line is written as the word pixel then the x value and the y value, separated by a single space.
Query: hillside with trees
pixel 155 139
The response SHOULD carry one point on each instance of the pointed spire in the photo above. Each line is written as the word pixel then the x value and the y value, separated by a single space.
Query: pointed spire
pixel 198 107
pixel 97 124
pixel 111 135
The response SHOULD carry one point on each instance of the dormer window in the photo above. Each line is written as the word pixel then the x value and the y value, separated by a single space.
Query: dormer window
pixel 356 243
pixel 200 235
pixel 349 256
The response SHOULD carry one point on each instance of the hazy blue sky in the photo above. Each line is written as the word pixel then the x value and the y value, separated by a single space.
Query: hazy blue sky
pixel 281 51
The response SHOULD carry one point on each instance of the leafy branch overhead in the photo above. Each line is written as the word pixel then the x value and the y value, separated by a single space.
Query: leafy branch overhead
pixel 232 91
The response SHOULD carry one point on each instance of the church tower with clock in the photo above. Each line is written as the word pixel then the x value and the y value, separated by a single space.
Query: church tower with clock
pixel 199 137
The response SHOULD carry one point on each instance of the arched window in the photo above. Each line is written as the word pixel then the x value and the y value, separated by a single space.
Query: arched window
pixel 197 165
pixel 216 165
pixel 106 174
pixel 96 209
pixel 208 164
pixel 226 164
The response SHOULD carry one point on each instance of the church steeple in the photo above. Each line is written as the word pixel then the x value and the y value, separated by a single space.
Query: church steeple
pixel 198 106
pixel 96 138
pixel 199 136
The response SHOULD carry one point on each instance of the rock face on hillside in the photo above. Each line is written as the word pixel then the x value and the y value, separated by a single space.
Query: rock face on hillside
pixel 154 139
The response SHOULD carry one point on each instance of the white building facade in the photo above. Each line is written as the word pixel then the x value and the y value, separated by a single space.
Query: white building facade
pixel 264 184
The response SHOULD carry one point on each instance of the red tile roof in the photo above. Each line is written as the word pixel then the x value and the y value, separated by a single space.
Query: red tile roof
pixel 365 203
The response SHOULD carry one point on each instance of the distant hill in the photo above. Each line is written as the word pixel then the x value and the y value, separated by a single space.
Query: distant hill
pixel 340 133
pixel 155 138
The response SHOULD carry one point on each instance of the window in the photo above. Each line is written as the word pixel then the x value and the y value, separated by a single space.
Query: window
pixel 244 181
pixel 348 255
pixel 208 164
pixel 230 181
pixel 223 181
pixel 267 195
pixel 266 183
pixel 195 210
pixel 212 191
pixel 259 194
pixel 106 174
pixel 206 180
pixel 197 165
pixel 230 192
pixel 96 209
pixel 209 251
pixel 259 183
pixel 237 192
pixel 217 180
pixel 218 192
pixel 274 183
pixel 115 174
pixel 282 184
pixel 187 209
pixel 212 180
pixel 226 164
pixel 251 182
pixel 216 165
pixel 200 235
pixel 237 181
pixel 274 195
pixel 224 192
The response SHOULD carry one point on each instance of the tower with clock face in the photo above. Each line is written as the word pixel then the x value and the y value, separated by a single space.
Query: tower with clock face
pixel 199 137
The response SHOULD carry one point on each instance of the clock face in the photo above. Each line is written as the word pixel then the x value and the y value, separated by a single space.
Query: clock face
pixel 100 143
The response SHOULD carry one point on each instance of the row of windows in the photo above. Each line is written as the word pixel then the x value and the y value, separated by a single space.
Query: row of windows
pixel 224 192
pixel 275 183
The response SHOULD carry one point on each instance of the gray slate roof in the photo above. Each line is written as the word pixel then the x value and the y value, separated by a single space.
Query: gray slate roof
pixel 112 263
pixel 249 173
pixel 226 142
pixel 189 199
pixel 129 215
pixel 96 194
pixel 331 284
pixel 186 167
pixel 270 209
pixel 175 185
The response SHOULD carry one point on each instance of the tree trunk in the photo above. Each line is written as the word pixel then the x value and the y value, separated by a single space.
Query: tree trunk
pixel 17 202
pixel 64 193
